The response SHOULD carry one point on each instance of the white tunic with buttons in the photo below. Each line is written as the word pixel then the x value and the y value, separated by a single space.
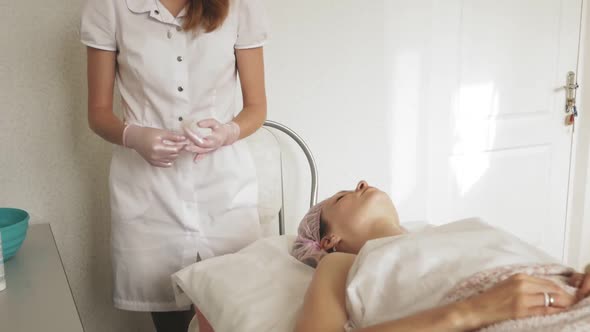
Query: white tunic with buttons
pixel 162 218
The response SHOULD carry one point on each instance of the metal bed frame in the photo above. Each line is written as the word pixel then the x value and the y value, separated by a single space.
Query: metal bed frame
pixel 310 160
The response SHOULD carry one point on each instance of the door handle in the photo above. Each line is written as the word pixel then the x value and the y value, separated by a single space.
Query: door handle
pixel 571 88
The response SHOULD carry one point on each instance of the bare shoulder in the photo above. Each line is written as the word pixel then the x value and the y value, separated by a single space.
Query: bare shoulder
pixel 337 258
pixel 335 264
pixel 324 307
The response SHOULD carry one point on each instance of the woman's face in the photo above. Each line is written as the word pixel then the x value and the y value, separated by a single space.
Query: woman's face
pixel 357 216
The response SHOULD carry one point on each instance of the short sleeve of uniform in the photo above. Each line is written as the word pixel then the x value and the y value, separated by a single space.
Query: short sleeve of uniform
pixel 252 24
pixel 98 25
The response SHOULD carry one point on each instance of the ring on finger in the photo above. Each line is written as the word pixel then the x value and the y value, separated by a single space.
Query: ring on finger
pixel 549 299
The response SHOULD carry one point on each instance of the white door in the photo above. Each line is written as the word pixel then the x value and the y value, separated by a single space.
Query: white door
pixel 498 147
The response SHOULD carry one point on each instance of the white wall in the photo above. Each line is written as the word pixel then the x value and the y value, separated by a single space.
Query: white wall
pixel 336 73
pixel 325 80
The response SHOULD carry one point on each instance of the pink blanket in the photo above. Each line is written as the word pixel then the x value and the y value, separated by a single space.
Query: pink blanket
pixel 577 318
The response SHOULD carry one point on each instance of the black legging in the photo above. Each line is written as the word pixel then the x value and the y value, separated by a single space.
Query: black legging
pixel 173 321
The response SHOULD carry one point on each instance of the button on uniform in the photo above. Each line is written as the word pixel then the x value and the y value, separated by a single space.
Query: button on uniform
pixel 180 89
pixel 179 58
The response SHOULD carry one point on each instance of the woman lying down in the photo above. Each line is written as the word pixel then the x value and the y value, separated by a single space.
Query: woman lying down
pixel 372 276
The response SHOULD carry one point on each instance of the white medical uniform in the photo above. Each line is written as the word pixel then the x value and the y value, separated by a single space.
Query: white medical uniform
pixel 162 218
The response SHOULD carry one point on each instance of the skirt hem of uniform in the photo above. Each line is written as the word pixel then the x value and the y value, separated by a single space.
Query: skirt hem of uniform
pixel 148 306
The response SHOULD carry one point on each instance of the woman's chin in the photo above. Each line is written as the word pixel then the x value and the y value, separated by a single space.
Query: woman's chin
pixel 377 195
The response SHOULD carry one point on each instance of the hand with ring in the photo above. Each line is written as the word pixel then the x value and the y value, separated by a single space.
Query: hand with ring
pixel 519 296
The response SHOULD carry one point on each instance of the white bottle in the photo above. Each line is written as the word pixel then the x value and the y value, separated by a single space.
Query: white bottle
pixel 2 277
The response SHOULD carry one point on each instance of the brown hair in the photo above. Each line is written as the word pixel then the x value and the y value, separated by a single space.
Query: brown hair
pixel 208 14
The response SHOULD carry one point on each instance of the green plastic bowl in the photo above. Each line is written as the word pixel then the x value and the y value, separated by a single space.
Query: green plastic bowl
pixel 13 229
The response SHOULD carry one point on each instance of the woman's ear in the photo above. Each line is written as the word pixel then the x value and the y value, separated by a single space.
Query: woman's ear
pixel 329 242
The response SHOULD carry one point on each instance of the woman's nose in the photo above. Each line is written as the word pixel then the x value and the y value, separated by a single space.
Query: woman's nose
pixel 362 185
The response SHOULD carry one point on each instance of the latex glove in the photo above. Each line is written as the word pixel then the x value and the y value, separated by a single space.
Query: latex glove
pixel 221 134
pixel 199 152
pixel 158 147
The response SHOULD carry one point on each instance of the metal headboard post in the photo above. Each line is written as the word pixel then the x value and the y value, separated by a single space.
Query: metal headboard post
pixel 312 166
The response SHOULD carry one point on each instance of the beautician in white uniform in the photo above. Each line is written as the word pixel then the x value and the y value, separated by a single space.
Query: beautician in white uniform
pixel 175 63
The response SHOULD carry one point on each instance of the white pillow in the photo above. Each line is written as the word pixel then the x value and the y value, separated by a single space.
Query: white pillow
pixel 259 288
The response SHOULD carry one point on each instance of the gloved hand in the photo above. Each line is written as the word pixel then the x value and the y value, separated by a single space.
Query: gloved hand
pixel 158 147
pixel 199 152
pixel 221 134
